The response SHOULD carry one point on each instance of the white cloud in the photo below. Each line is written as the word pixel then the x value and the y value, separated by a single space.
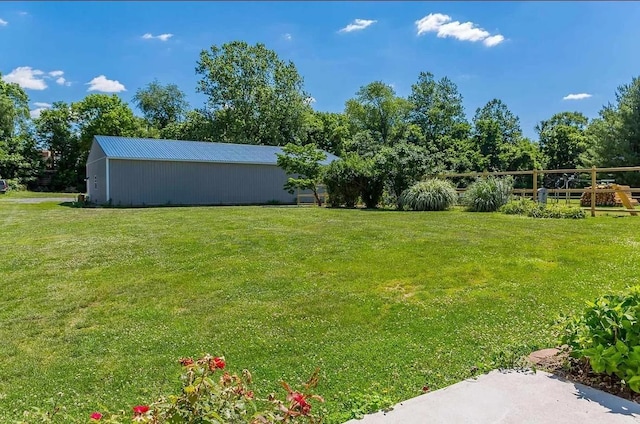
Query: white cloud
pixel 444 27
pixel 287 37
pixel 35 113
pixel 63 81
pixel 580 96
pixel 56 73
pixel 161 37
pixel 357 25
pixel 310 100
pixel 101 83
pixel 494 40
pixel 27 77
pixel 3 22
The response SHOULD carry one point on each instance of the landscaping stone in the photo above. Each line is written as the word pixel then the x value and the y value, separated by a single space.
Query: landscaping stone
pixel 543 356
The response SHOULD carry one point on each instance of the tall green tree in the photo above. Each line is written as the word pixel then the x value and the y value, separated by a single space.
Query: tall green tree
pixel 161 105
pixel 14 109
pixel 496 131
pixel 103 114
pixel 403 164
pixel 616 132
pixel 377 109
pixel 328 130
pixel 19 156
pixel 437 109
pixel 196 126
pixel 56 129
pixel 254 96
pixel 563 140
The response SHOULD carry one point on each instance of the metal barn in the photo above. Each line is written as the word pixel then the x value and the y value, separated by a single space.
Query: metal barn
pixel 137 171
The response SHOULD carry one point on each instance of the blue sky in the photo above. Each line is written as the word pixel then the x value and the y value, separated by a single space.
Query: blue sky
pixel 531 55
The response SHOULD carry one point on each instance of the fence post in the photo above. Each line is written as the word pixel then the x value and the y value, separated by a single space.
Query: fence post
pixel 593 191
pixel 535 185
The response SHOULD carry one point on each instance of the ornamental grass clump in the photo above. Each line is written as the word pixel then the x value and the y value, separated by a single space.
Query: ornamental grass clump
pixel 429 195
pixel 488 194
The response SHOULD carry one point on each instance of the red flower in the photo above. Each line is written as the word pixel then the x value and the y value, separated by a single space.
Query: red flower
pixel 218 362
pixel 186 362
pixel 96 416
pixel 425 388
pixel 249 394
pixel 300 400
pixel 140 409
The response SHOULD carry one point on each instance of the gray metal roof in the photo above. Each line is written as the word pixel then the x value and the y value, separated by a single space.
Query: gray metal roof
pixel 193 151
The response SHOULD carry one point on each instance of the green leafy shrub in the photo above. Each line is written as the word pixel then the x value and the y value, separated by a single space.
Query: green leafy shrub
pixel 488 194
pixel 607 335
pixel 557 211
pixel 14 185
pixel 522 206
pixel 353 177
pixel 430 195
pixel 341 178
pixel 371 180
pixel 528 207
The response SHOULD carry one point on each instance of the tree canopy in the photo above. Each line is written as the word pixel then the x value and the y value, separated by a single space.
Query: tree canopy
pixel 161 105
pixel 253 95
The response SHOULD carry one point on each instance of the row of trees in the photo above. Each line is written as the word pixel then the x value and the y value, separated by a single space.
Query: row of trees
pixel 252 96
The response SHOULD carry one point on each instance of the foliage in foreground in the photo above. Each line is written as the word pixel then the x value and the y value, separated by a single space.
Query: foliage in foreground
pixel 430 195
pixel 488 194
pixel 303 162
pixel 528 207
pixel 607 335
pixel 213 397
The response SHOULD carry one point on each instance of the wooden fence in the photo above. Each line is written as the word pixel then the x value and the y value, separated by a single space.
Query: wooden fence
pixel 306 197
pixel 535 173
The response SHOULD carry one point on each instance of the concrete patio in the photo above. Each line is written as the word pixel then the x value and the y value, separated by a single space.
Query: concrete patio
pixel 511 397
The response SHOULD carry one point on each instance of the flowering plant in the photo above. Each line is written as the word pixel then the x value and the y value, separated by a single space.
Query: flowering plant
pixel 212 395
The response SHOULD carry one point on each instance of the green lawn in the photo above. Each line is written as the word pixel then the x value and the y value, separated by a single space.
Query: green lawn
pixel 35 194
pixel 100 303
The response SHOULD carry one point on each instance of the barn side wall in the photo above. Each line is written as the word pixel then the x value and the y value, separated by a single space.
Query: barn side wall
pixel 97 175
pixel 140 182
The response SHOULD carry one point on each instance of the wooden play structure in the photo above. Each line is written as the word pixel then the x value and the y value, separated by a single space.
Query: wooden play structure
pixel 621 197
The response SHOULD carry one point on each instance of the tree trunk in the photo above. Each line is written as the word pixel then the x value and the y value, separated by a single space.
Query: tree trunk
pixel 315 194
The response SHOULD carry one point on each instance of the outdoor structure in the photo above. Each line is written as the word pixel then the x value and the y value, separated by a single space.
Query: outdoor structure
pixel 137 172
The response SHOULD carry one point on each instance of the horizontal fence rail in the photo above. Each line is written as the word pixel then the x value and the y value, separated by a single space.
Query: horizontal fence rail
pixel 626 201
pixel 306 197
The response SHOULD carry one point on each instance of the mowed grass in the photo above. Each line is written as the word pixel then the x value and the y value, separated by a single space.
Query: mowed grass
pixel 100 303
pixel 35 194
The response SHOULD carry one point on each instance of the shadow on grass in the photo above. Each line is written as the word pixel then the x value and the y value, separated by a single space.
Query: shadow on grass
pixel 74 204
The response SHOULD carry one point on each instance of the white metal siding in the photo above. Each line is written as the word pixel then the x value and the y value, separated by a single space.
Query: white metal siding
pixel 140 182
pixel 97 175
